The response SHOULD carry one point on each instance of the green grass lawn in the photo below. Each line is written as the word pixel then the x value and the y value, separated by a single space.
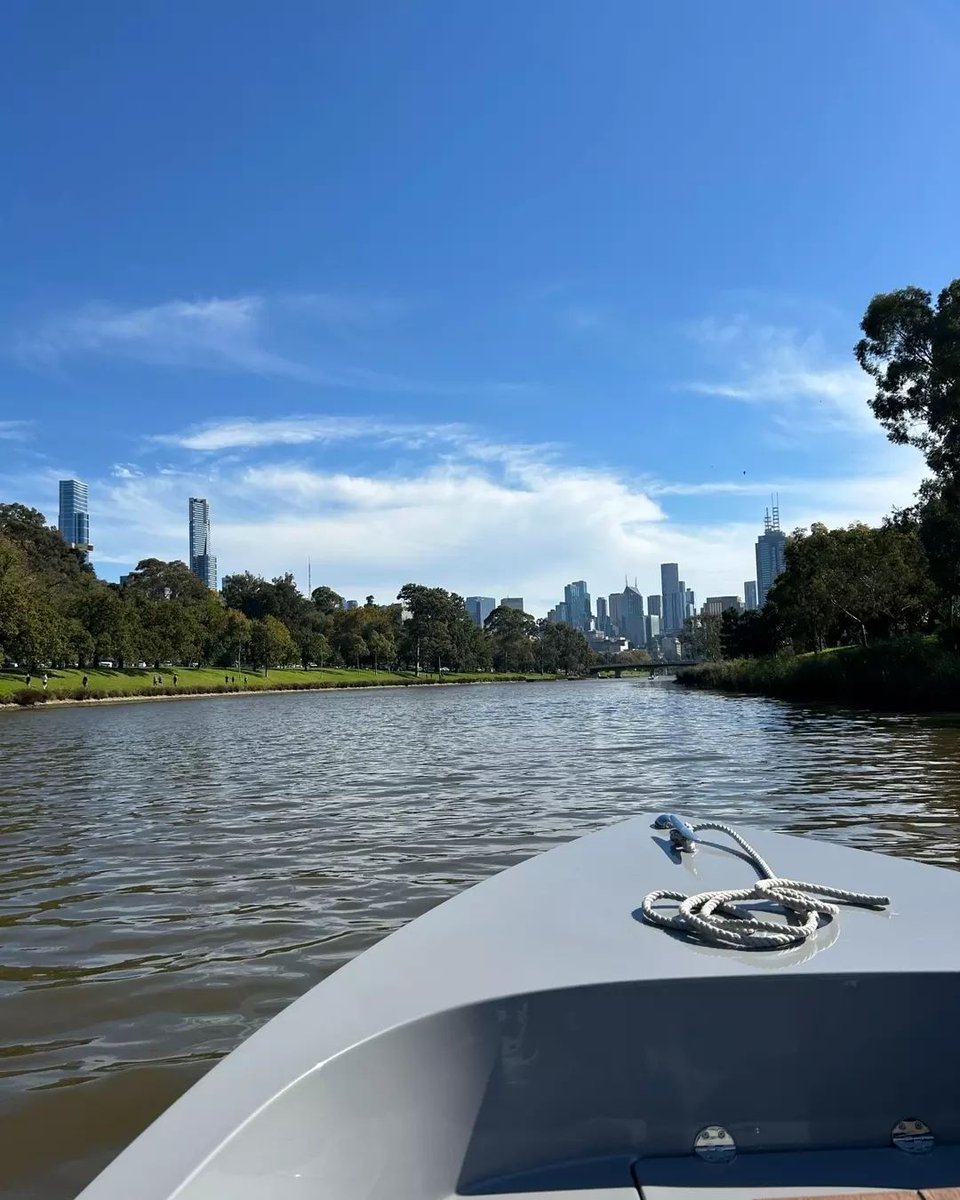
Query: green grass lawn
pixel 68 683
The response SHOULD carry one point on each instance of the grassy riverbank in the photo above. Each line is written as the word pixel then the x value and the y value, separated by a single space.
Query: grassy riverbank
pixel 914 674
pixel 103 684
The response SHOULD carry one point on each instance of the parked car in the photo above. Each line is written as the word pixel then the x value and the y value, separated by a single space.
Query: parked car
pixel 10 665
pixel 141 665
pixel 106 662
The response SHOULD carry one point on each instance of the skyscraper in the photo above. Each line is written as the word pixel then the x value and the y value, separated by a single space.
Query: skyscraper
pixel 655 606
pixel 615 612
pixel 771 553
pixel 512 602
pixel 674 600
pixel 479 608
pixel 750 595
pixel 690 602
pixel 577 599
pixel 603 619
pixel 74 516
pixel 202 563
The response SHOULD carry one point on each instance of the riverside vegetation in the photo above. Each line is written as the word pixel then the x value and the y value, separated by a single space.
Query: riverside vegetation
pixel 863 615
pixel 57 617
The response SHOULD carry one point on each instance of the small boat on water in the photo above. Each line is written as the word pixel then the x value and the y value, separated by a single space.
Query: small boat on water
pixel 572 1030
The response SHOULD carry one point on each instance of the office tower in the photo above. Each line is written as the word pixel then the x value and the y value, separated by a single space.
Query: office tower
pixel 74 517
pixel 615 611
pixel 577 599
pixel 771 553
pixel 633 626
pixel 674 599
pixel 714 606
pixel 653 626
pixel 690 602
pixel 202 563
pixel 512 602
pixel 603 619
pixel 479 608
pixel 563 613
pixel 655 606
pixel 750 595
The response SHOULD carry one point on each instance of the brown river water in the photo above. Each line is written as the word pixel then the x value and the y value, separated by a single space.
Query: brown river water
pixel 175 873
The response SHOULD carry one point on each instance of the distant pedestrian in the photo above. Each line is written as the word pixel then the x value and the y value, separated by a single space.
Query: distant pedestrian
pixel 154 681
pixel 226 679
pixel 233 679
pixel 244 679
pixel 85 681
pixel 159 681
pixel 44 681
pixel 175 678
pixel 29 677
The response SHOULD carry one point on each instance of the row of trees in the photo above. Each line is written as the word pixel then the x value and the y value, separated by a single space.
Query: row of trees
pixel 53 609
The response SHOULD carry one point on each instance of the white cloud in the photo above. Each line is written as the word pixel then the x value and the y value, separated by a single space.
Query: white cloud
pixel 465 512
pixel 804 387
pixel 240 334
pixel 16 431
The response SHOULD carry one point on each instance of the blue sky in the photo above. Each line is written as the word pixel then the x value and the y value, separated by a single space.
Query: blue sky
pixel 483 295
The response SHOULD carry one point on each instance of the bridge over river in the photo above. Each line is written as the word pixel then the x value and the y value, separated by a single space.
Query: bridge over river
pixel 651 668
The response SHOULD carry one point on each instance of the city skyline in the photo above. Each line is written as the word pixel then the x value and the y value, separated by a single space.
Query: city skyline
pixel 576 608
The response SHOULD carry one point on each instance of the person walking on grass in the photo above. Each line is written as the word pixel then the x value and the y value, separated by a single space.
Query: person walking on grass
pixel 27 681
pixel 175 678
pixel 85 681
pixel 44 681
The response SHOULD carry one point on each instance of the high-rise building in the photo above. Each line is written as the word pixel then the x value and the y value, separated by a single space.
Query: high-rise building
pixel 653 626
pixel 558 615
pixel 74 517
pixel 615 611
pixel 771 553
pixel 655 606
pixel 690 602
pixel 714 606
pixel 479 608
pixel 512 602
pixel 750 595
pixel 577 599
pixel 633 625
pixel 602 618
pixel 674 600
pixel 202 563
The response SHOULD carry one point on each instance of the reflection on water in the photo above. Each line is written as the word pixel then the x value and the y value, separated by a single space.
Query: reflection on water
pixel 173 874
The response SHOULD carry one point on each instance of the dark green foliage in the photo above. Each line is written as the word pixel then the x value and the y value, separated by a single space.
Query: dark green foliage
pixel 907 674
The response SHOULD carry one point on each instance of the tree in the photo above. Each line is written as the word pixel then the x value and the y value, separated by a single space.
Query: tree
pixel 159 580
pixel 326 599
pixel 511 632
pixel 251 594
pixel 850 584
pixel 911 348
pixel 270 643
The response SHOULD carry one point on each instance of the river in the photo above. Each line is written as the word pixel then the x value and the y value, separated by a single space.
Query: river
pixel 175 873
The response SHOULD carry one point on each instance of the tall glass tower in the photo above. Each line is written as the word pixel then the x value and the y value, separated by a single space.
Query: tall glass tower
pixel 771 553
pixel 202 563
pixel 74 519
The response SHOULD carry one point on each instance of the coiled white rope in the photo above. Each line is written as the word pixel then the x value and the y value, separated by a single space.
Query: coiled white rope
pixel 713 918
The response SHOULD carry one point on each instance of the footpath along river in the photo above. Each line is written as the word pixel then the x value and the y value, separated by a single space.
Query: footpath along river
pixel 174 874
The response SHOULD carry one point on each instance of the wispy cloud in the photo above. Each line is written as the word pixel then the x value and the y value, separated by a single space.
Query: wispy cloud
pixel 223 334
pixel 794 375
pixel 248 434
pixel 242 334
pixel 16 431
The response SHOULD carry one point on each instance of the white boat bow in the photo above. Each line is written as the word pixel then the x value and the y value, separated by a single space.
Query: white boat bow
pixel 535 1037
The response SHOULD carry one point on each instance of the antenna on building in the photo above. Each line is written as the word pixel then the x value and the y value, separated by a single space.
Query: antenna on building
pixel 776 511
pixel 766 521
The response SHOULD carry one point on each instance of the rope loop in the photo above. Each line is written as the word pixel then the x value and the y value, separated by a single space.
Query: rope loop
pixel 724 917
